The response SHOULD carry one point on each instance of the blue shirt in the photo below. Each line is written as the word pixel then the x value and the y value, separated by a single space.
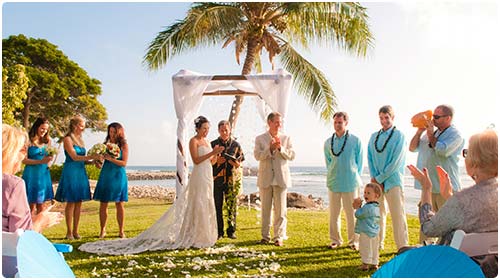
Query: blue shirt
pixel 424 153
pixel 446 153
pixel 368 219
pixel 388 166
pixel 344 170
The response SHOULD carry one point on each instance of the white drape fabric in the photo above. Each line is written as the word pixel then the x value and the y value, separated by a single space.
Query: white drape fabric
pixel 273 90
pixel 188 91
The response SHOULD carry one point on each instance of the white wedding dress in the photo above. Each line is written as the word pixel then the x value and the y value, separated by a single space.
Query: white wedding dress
pixel 189 222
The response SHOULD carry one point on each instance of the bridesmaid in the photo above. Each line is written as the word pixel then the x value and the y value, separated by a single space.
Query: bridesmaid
pixel 74 185
pixel 112 185
pixel 36 173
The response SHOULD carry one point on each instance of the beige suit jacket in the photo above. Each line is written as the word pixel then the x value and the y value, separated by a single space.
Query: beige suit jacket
pixel 275 164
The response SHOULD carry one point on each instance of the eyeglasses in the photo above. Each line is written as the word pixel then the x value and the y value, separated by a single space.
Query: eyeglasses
pixel 437 117
pixel 465 152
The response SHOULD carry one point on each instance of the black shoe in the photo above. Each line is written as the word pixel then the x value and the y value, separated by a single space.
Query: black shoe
pixel 220 236
pixel 232 236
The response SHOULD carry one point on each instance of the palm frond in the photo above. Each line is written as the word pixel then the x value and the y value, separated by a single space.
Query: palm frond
pixel 205 24
pixel 309 81
pixel 344 23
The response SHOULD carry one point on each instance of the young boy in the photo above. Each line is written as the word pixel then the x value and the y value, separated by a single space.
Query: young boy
pixel 368 226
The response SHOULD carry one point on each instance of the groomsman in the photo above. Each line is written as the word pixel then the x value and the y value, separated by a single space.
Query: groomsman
pixel 225 185
pixel 344 162
pixel 441 146
pixel 386 161
pixel 273 150
pixel 446 144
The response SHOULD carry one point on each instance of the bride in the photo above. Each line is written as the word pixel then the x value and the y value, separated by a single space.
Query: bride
pixel 190 221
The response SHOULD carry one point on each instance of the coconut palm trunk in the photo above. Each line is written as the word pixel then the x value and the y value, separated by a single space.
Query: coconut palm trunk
pixel 247 69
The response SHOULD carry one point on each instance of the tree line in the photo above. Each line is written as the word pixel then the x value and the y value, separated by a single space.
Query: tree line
pixel 38 79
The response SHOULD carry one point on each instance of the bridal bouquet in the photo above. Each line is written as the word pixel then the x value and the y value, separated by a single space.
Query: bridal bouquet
pixel 113 150
pixel 51 151
pixel 97 149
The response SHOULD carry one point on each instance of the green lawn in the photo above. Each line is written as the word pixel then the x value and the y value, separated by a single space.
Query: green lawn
pixel 305 254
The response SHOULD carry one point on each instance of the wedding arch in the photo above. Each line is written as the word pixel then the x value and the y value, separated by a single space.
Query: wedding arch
pixel 270 92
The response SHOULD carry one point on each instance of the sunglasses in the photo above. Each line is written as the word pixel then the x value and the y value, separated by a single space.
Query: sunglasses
pixel 437 117
pixel 465 152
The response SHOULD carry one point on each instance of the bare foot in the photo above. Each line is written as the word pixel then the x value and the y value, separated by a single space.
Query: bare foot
pixel 102 235
pixel 122 235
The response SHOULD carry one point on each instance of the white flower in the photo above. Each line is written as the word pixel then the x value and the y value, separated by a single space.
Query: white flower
pixel 274 266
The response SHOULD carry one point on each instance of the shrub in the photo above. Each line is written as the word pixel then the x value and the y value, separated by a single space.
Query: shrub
pixel 56 171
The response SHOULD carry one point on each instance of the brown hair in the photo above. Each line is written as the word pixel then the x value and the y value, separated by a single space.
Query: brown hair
pixel 121 141
pixel 34 130
pixel 224 122
pixel 387 109
pixel 447 109
pixel 271 116
pixel 341 114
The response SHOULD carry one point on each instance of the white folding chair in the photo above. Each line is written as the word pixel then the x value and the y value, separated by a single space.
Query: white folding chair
pixel 475 244
pixel 28 254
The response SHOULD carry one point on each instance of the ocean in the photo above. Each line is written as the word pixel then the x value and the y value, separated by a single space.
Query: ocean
pixel 305 180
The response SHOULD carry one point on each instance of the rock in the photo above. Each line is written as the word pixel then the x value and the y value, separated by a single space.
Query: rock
pixel 156 175
pixel 250 171
pixel 294 200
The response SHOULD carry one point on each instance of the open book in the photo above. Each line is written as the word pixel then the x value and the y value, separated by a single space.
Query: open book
pixel 228 157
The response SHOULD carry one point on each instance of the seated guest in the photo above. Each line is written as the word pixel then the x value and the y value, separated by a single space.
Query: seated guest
pixel 15 209
pixel 474 209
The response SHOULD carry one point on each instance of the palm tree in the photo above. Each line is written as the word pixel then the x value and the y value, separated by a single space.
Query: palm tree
pixel 272 26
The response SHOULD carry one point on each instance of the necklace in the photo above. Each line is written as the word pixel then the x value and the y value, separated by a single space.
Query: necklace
pixel 437 138
pixel 343 145
pixel 386 141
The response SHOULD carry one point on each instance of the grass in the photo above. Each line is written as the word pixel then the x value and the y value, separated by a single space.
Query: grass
pixel 305 254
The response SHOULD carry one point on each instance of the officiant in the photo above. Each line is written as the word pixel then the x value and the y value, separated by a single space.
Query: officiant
pixel 227 178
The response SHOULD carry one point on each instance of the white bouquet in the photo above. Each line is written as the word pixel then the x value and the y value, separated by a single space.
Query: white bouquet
pixel 51 151
pixel 97 149
pixel 113 149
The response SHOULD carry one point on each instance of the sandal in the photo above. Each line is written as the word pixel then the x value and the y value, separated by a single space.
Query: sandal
pixel 364 267
pixel 353 247
pixel 333 246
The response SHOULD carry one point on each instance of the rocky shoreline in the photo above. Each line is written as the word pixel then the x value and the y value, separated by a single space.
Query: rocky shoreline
pixel 294 200
pixel 165 175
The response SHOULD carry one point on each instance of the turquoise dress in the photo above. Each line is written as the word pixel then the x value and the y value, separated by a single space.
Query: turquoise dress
pixel 37 177
pixel 74 184
pixel 112 185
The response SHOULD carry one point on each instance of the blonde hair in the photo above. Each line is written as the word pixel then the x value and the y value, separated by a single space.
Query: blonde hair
pixel 483 152
pixel 375 187
pixel 13 139
pixel 72 125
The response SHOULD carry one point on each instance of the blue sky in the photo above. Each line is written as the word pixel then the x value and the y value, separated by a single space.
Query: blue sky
pixel 426 53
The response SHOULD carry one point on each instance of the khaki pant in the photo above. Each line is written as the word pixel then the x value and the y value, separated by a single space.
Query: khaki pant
pixel 339 200
pixel 395 201
pixel 437 202
pixel 273 197
pixel 368 249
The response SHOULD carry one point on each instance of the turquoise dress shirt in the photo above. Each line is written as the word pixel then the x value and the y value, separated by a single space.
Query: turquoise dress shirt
pixel 424 153
pixel 344 171
pixel 388 166
pixel 368 219
pixel 446 153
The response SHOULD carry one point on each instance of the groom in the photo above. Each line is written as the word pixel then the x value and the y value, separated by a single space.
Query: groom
pixel 273 150
pixel 225 188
